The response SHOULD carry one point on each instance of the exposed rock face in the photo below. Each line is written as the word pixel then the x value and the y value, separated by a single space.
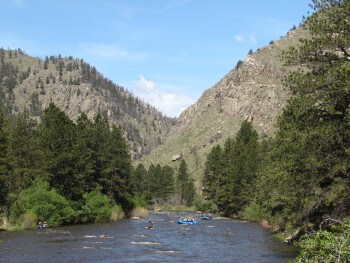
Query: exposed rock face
pixel 76 87
pixel 176 157
pixel 252 91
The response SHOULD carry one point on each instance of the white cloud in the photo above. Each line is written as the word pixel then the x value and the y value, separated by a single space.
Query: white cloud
pixel 170 103
pixel 110 51
pixel 239 38
pixel 144 84
pixel 245 39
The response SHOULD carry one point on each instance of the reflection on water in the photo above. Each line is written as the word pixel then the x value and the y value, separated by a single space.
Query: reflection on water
pixel 218 240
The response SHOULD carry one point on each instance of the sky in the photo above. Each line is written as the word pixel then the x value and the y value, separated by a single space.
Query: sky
pixel 167 52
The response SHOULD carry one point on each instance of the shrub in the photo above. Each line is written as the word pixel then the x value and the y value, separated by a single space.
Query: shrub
pixel 206 206
pixel 117 213
pixel 29 220
pixel 239 63
pixel 97 207
pixel 326 245
pixel 136 201
pixel 47 204
pixel 253 212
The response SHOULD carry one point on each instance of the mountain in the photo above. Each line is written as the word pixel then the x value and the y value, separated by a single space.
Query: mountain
pixel 252 91
pixel 28 83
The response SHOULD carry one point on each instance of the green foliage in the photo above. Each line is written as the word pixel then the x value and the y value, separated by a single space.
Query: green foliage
pixel 253 212
pixel 30 220
pixel 206 206
pixel 117 213
pixel 136 201
pixel 326 245
pixel 97 207
pixel 74 159
pixel 23 153
pixel 4 167
pixel 139 179
pixel 213 172
pixel 307 175
pixel 116 169
pixel 46 204
pixel 56 136
pixel 157 185
pixel 185 185
pixel 230 174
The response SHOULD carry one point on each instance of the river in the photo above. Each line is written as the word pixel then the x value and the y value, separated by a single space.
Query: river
pixel 217 240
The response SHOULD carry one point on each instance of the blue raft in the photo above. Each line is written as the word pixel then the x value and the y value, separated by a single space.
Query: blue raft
pixel 186 222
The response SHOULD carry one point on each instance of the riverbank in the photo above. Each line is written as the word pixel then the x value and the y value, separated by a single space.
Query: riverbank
pixel 116 214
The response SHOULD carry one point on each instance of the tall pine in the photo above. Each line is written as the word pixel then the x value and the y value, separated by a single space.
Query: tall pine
pixel 4 167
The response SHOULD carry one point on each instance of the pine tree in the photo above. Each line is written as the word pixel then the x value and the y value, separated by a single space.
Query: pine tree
pixel 230 175
pixel 168 182
pixel 56 136
pixel 185 184
pixel 214 167
pixel 25 158
pixel 311 158
pixel 83 150
pixel 46 62
pixel 4 167
pixel 140 179
pixel 116 173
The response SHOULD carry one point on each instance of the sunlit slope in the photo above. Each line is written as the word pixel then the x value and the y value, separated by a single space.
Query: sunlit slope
pixel 252 90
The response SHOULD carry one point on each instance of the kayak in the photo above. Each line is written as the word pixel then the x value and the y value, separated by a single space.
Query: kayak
pixel 40 227
pixel 206 217
pixel 186 222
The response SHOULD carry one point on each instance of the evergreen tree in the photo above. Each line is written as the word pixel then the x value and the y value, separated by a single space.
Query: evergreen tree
pixel 4 168
pixel 311 158
pixel 230 174
pixel 25 158
pixel 185 184
pixel 84 152
pixel 116 173
pixel 168 182
pixel 99 136
pixel 46 62
pixel 140 179
pixel 56 136
pixel 213 172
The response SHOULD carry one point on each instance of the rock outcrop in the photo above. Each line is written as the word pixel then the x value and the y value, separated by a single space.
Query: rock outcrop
pixel 252 91
pixel 75 87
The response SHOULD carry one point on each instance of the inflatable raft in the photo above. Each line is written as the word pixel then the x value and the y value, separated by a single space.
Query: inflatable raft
pixel 186 222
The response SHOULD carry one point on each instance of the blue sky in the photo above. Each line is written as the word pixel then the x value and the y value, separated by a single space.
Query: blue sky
pixel 164 51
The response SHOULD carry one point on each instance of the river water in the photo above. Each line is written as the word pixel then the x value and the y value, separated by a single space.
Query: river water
pixel 217 240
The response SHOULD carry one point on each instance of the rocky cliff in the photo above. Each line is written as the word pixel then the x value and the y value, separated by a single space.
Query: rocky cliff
pixel 252 90
pixel 75 86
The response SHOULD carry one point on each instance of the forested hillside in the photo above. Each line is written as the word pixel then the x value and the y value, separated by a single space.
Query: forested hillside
pixel 28 83
pixel 299 179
